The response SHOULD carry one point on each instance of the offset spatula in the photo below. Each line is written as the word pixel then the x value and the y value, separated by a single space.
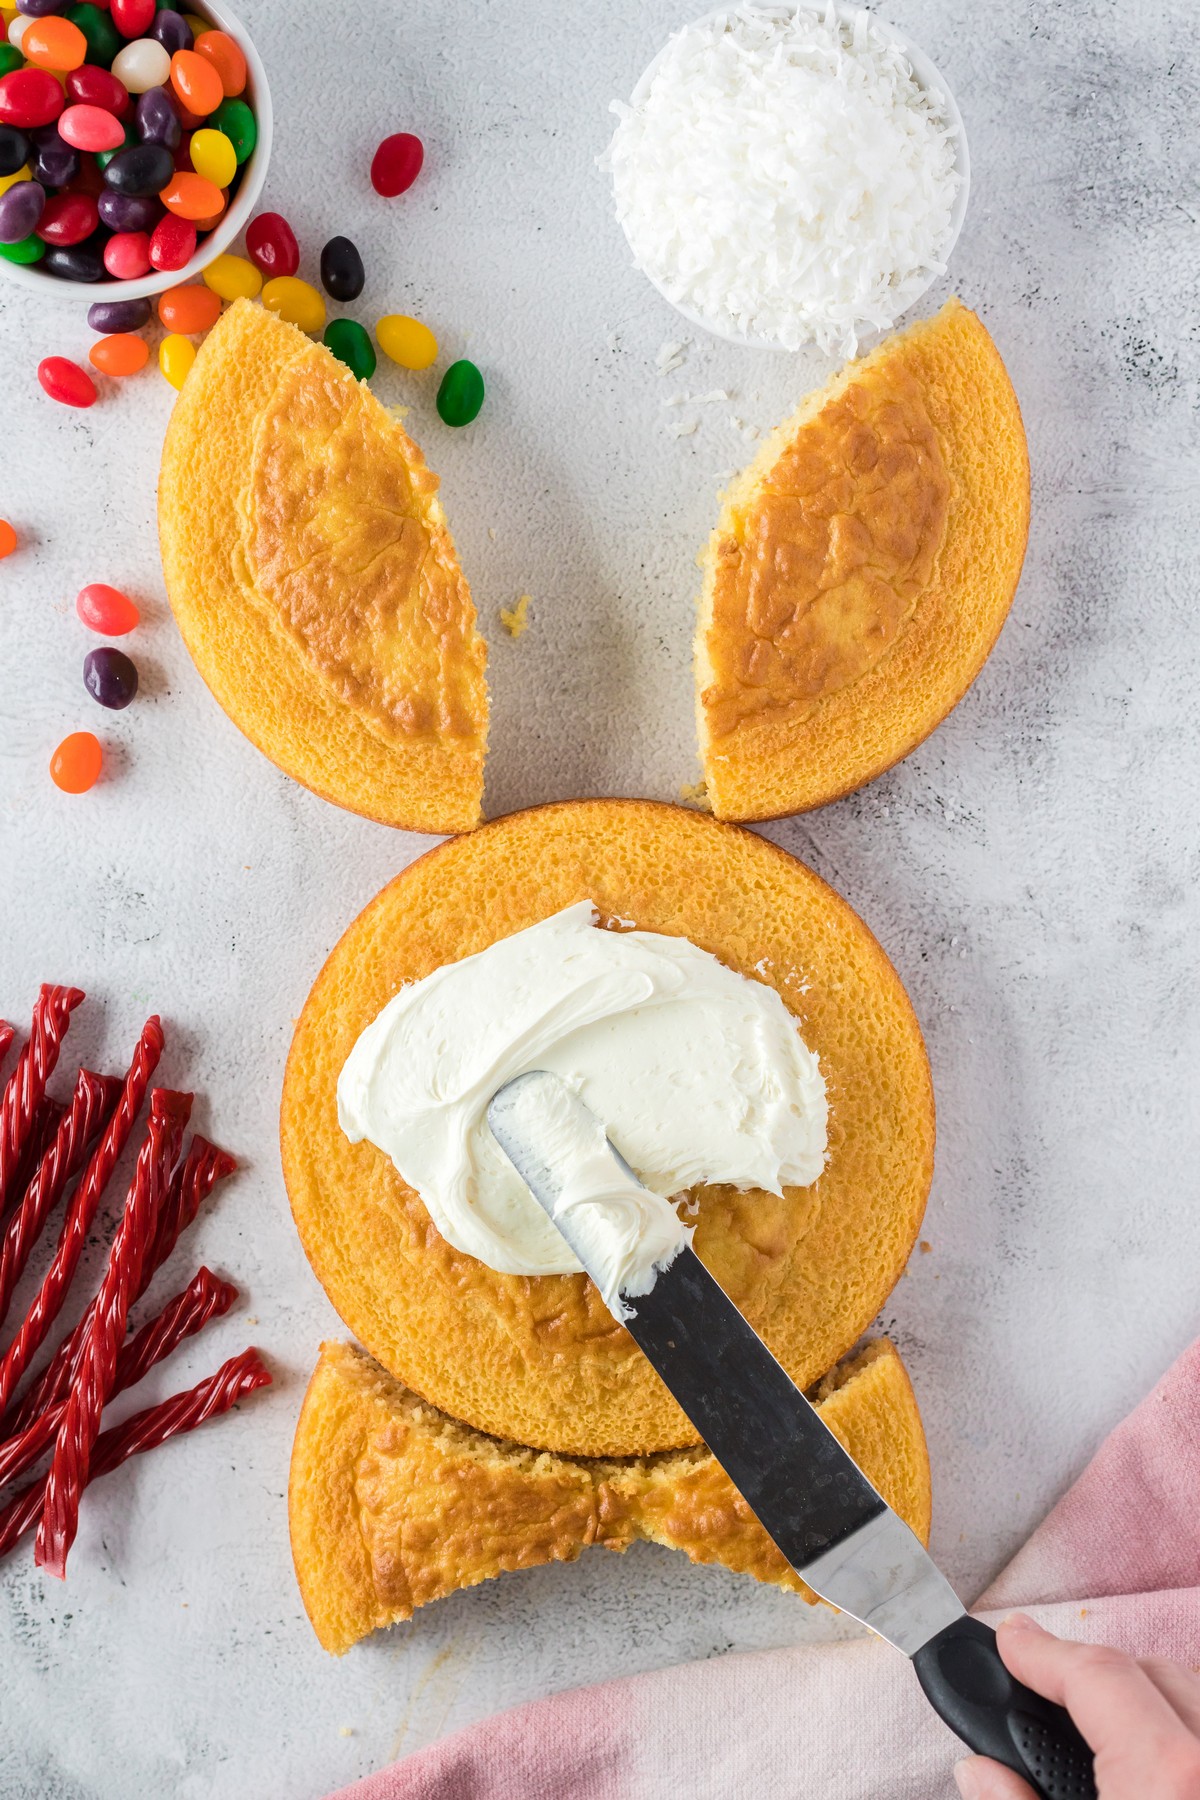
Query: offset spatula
pixel 806 1491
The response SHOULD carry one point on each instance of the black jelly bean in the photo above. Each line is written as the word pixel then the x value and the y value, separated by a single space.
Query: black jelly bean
pixel 77 262
pixel 172 31
pixel 14 149
pixel 342 273
pixel 129 212
pixel 110 677
pixel 55 162
pixel 157 120
pixel 140 169
pixel 107 316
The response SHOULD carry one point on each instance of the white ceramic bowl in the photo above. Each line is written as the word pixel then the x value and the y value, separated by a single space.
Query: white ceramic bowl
pixel 237 214
pixel 929 77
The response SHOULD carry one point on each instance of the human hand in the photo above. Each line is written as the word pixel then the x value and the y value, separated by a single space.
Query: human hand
pixel 1142 1719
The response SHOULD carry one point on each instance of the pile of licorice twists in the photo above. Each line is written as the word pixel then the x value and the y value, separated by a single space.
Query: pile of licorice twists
pixel 47 1151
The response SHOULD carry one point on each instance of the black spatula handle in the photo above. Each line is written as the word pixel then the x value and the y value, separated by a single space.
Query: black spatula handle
pixel 966 1682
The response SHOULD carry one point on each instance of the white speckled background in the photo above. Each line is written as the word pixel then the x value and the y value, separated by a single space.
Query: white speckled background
pixel 1032 870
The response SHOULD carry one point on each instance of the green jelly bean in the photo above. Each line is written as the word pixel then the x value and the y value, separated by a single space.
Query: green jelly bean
pixel 235 119
pixel 103 38
pixel 104 157
pixel 351 345
pixel 461 394
pixel 10 59
pixel 29 250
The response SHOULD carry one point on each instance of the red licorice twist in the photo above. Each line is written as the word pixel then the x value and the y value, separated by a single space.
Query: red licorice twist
pixel 92 1102
pixel 191 1185
pixel 6 1038
pixel 46 1121
pixel 48 1300
pixel 204 1298
pixel 146 1431
pixel 90 1390
pixel 27 1083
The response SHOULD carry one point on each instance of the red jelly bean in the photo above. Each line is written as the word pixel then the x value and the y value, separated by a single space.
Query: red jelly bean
pixel 127 255
pixel 66 382
pixel 172 243
pixel 90 86
pixel 132 18
pixel 29 98
pixel 75 765
pixel 106 609
pixel 91 128
pixel 271 245
pixel 68 219
pixel 396 164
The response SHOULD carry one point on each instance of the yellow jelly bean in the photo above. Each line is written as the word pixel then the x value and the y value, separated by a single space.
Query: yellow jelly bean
pixel 406 341
pixel 233 277
pixel 175 358
pixel 24 173
pixel 213 156
pixel 197 23
pixel 296 301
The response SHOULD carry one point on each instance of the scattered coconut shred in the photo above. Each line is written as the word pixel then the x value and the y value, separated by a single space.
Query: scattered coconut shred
pixel 785 176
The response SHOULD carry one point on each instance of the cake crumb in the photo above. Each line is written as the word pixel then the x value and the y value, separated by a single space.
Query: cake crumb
pixel 516 618
pixel 345 1731
pixel 925 1246
pixel 695 793
pixel 399 413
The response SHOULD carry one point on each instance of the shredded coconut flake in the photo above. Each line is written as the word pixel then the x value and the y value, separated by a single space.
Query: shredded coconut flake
pixel 786 177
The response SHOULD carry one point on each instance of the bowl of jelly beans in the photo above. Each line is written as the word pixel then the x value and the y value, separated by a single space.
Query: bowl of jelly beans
pixel 134 141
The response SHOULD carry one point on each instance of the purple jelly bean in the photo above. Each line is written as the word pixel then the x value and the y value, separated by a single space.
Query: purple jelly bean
pixel 107 316
pixel 76 262
pixel 129 212
pixel 40 9
pixel 110 676
pixel 55 162
pixel 172 31
pixel 21 210
pixel 157 120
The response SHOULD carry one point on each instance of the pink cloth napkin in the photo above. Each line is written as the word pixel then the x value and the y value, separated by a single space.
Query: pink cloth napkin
pixel 1117 1561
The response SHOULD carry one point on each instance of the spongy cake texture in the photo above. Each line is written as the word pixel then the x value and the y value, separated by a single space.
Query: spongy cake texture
pixel 309 566
pixel 539 1360
pixel 860 571
pixel 391 1504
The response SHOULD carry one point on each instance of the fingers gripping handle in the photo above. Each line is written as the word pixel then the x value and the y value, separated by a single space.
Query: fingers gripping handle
pixel 966 1682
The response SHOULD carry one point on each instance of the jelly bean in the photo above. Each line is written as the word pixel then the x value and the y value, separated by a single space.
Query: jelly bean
pixel 296 301
pixel 55 163
pixel 172 31
pixel 75 262
pixel 8 538
pixel 233 277
pixel 214 157
pixel 237 122
pixel 118 315
pixel 68 219
pixel 75 765
pixel 10 59
pixel 191 196
pixel 38 9
pixel 351 345
pixel 175 358
pixel 30 97
pixel 29 250
pixel 15 149
pixel 406 341
pixel 197 24
pixel 24 173
pixel 271 243
pixel 342 273
pixel 132 17
pixel 106 609
pixel 189 309
pixel 91 128
pixel 142 64
pixel 172 243
pixel 54 44
pixel 103 38
pixel 123 354
pixel 90 86
pixel 203 225
pixel 396 164
pixel 110 677
pixel 127 255
pixel 461 394
pixel 140 169
pixel 128 212
pixel 16 33
pixel 183 152
pixel 196 82
pixel 21 210
pixel 227 58
pixel 158 118
pixel 66 382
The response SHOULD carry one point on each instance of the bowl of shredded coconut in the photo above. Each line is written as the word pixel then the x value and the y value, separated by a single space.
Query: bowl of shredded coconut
pixel 788 175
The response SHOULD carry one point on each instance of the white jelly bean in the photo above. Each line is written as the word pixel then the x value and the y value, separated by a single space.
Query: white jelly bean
pixel 141 65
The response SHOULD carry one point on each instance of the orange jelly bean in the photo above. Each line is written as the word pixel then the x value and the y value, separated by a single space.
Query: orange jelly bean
pixel 55 44
pixel 123 353
pixel 191 196
pixel 8 538
pixel 197 82
pixel 75 765
pixel 225 55
pixel 190 308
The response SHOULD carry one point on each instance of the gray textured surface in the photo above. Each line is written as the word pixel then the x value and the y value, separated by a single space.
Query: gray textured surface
pixel 1032 870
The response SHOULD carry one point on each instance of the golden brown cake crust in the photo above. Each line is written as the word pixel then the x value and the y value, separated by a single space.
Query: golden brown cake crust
pixel 309 566
pixel 860 571
pixel 540 1360
pixel 391 1504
